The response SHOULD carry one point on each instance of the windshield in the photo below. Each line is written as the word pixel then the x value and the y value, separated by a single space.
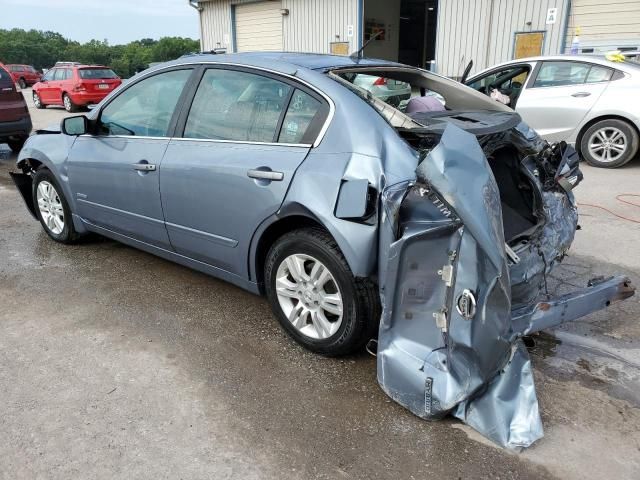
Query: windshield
pixel 96 73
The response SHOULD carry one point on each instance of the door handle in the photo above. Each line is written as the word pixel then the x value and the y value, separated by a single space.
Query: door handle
pixel 144 167
pixel 581 94
pixel 265 175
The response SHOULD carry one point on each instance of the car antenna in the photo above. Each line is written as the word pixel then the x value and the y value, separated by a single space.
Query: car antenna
pixel 358 55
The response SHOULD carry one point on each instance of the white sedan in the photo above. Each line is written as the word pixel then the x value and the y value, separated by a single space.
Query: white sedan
pixel 586 101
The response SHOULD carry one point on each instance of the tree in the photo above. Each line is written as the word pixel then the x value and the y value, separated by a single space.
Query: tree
pixel 43 49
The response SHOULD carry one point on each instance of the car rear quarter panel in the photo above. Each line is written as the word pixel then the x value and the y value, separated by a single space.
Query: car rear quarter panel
pixel 358 144
pixel 618 100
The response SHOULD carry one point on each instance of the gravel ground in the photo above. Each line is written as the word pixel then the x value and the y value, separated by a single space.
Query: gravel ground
pixel 117 364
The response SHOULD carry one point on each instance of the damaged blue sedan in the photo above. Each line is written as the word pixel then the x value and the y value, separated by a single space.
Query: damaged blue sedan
pixel 429 223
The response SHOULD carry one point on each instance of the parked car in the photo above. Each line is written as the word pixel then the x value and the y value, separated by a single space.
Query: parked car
pixel 23 75
pixel 390 91
pixel 15 121
pixel 276 173
pixel 74 86
pixel 586 101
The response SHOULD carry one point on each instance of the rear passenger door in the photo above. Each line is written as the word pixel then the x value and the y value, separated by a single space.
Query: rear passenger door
pixel 560 96
pixel 243 137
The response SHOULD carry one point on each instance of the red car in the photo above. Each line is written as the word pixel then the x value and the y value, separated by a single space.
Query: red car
pixel 74 86
pixel 23 75
pixel 15 121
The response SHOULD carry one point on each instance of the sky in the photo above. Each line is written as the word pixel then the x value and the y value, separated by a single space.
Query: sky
pixel 118 21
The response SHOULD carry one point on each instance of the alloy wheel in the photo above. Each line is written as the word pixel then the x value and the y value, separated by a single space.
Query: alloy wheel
pixel 67 103
pixel 309 296
pixel 36 100
pixel 607 144
pixel 50 207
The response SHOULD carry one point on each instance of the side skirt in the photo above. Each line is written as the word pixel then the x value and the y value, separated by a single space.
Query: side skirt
pixel 177 258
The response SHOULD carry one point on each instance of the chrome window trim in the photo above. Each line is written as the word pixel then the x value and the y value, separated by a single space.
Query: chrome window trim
pixel 319 138
pixel 208 140
pixel 241 142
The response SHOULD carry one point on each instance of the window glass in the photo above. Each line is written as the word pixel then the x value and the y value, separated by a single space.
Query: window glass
pixel 68 74
pixel 599 74
pixel 96 73
pixel 4 75
pixel 557 74
pixel 59 74
pixel 482 83
pixel 49 75
pixel 241 106
pixel 146 108
pixel 302 110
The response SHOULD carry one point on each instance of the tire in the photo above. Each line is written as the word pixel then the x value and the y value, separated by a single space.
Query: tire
pixel 609 143
pixel 316 323
pixel 69 106
pixel 22 83
pixel 52 202
pixel 16 145
pixel 37 102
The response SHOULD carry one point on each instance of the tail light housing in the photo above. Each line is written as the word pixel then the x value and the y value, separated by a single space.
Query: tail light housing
pixel 80 87
pixel 380 81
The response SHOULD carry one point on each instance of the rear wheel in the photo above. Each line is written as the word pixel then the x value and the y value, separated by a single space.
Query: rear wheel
pixel 69 106
pixel 52 207
pixel 16 145
pixel 37 102
pixel 609 143
pixel 315 296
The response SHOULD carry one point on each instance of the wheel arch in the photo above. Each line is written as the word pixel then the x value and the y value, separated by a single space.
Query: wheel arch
pixel 600 118
pixel 296 217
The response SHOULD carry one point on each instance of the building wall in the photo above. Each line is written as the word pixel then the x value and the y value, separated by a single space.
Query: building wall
pixel 483 31
pixel 605 26
pixel 310 26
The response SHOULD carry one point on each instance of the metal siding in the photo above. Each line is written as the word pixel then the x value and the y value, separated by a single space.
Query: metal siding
pixel 310 26
pixel 313 24
pixel 483 31
pixel 605 26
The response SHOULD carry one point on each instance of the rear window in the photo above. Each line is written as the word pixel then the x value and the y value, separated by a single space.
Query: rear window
pixel 96 73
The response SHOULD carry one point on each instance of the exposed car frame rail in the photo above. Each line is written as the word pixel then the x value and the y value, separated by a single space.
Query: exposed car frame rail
pixel 599 294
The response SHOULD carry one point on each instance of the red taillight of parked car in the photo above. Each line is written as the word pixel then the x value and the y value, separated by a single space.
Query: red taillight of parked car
pixel 80 87
pixel 380 82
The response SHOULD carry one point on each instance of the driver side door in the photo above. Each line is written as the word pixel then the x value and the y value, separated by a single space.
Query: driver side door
pixel 114 173
pixel 508 80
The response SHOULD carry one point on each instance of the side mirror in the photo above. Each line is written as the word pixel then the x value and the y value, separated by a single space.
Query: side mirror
pixel 78 125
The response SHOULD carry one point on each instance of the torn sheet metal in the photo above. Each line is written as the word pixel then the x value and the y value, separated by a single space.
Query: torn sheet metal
pixel 447 342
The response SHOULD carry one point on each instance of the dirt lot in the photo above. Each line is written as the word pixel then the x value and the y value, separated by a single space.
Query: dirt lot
pixel 117 364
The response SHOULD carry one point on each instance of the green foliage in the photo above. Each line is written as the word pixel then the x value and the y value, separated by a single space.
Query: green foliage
pixel 44 49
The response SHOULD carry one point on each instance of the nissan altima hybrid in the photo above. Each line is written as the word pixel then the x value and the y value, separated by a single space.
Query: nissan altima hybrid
pixel 425 229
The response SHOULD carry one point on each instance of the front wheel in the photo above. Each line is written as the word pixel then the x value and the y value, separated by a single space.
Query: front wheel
pixel 37 102
pixel 22 83
pixel 52 207
pixel 609 143
pixel 315 296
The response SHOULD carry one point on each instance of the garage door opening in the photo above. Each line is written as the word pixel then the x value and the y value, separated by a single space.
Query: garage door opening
pixel 258 26
pixel 406 30
pixel 418 21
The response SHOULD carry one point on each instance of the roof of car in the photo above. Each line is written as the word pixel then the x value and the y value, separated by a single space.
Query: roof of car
pixel 597 59
pixel 280 60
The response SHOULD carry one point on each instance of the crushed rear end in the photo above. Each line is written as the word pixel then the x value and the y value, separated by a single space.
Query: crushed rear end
pixel 464 253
